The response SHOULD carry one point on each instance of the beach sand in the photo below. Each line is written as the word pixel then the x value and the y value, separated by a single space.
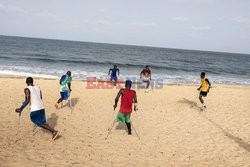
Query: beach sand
pixel 173 130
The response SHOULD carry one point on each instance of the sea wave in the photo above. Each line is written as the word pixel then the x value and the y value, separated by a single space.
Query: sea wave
pixel 95 63
pixel 82 75
pixel 51 58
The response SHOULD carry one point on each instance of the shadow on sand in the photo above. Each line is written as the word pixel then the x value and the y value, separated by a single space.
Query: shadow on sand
pixel 190 103
pixel 52 121
pixel 74 102
pixel 121 126
pixel 237 140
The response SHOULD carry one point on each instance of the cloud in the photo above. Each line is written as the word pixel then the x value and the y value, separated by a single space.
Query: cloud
pixel 103 11
pixel 142 24
pixel 199 31
pixel 2 7
pixel 200 28
pixel 181 19
pixel 204 1
pixel 241 20
pixel 220 19
pixel 14 9
pixel 198 2
pixel 115 23
pixel 49 15
pixel 102 22
pixel 19 10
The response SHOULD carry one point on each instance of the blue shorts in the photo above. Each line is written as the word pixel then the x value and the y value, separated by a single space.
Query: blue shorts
pixel 38 117
pixel 64 95
pixel 113 77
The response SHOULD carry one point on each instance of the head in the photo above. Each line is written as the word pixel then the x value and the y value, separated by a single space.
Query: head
pixel 29 81
pixel 203 75
pixel 147 67
pixel 68 73
pixel 115 66
pixel 128 84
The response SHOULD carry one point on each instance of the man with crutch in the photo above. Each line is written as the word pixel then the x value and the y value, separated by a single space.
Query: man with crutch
pixel 33 96
pixel 128 97
pixel 65 89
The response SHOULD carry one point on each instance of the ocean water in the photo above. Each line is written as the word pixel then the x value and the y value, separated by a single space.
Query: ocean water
pixel 51 58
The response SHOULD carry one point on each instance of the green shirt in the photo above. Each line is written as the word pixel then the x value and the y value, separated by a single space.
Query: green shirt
pixel 64 85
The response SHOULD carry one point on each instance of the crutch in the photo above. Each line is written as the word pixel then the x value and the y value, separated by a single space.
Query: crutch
pixel 18 123
pixel 70 103
pixel 19 117
pixel 110 129
pixel 135 132
pixel 112 125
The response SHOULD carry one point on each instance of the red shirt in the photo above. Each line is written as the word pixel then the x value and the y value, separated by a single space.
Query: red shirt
pixel 127 101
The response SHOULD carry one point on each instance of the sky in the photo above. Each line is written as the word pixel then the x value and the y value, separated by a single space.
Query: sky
pixel 214 25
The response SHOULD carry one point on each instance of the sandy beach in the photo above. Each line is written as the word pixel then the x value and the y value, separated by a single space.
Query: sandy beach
pixel 172 129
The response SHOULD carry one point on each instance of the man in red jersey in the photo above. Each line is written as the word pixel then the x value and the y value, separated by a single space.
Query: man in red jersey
pixel 128 97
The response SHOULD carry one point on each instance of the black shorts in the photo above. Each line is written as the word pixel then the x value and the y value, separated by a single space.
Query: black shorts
pixel 204 94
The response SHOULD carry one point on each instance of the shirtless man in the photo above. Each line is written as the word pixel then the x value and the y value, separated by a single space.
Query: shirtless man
pixel 146 76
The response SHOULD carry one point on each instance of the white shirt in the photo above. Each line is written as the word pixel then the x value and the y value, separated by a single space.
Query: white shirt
pixel 35 98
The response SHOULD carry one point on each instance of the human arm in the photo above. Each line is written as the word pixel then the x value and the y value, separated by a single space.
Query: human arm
pixel 69 85
pixel 117 98
pixel 26 102
pixel 141 74
pixel 118 71
pixel 208 84
pixel 109 71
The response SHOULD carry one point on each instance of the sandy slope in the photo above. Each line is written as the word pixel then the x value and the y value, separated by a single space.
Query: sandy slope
pixel 173 131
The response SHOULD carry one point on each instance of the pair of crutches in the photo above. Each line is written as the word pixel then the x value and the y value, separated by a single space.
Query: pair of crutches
pixel 113 123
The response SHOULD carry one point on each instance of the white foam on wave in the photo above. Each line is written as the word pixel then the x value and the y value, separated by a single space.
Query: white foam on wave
pixel 82 75
pixel 25 74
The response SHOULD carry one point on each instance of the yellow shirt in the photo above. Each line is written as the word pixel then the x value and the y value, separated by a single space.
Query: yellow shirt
pixel 204 85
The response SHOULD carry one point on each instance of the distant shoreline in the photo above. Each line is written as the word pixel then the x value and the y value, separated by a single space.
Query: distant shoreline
pixel 165 84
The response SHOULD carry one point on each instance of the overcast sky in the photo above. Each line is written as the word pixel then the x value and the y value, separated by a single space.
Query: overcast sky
pixel 216 25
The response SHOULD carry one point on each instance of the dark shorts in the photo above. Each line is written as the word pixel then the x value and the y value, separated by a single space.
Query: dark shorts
pixel 113 77
pixel 64 95
pixel 204 94
pixel 38 117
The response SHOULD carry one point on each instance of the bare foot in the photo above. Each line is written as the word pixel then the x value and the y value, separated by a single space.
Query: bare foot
pixel 56 105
